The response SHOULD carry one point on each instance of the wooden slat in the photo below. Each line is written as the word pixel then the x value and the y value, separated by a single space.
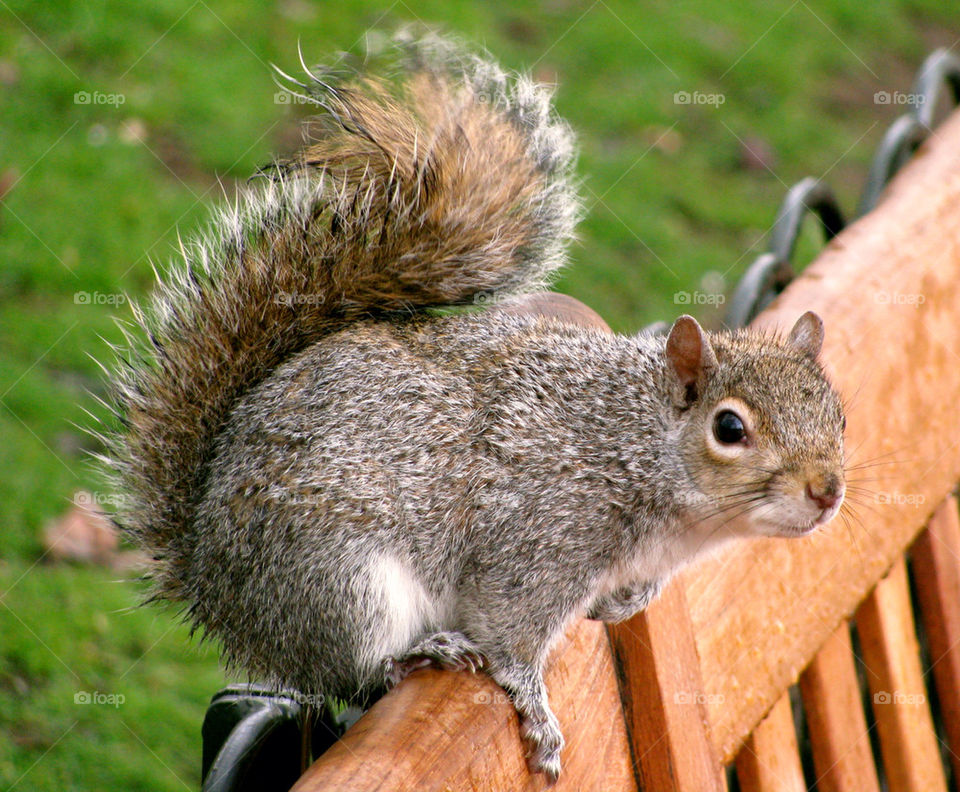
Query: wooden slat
pixel 448 731
pixel 888 289
pixel 663 698
pixel 842 757
pixel 891 655
pixel 770 760
pixel 936 574
pixel 553 305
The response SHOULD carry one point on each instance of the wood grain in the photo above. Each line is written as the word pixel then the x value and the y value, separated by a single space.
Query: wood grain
pixel 842 756
pixel 447 731
pixel 770 759
pixel 888 290
pixel 936 576
pixel 664 700
pixel 891 654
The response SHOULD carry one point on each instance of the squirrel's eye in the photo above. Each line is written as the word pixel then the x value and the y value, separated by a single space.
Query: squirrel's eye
pixel 728 428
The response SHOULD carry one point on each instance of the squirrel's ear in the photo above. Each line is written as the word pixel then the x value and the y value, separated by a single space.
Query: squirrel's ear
pixel 690 356
pixel 807 334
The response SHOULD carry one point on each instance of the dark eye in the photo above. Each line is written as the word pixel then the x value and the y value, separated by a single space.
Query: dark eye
pixel 728 428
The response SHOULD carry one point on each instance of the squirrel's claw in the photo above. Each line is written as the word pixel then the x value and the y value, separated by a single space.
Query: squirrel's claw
pixel 451 651
pixel 545 742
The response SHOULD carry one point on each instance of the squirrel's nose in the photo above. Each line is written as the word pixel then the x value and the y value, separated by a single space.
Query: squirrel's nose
pixel 825 493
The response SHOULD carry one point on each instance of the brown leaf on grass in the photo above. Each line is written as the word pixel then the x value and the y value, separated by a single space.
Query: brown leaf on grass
pixel 8 177
pixel 85 534
pixel 756 154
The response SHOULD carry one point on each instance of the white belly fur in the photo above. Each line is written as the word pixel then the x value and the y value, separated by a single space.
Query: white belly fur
pixel 406 610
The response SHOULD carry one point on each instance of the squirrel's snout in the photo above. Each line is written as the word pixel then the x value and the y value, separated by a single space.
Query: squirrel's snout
pixel 826 492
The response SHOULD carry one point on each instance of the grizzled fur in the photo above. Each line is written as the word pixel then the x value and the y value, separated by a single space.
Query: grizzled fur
pixel 340 485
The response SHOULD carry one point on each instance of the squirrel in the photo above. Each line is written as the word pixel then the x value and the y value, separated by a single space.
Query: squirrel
pixel 341 483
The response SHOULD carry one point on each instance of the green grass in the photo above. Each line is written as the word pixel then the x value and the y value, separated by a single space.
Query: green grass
pixel 668 202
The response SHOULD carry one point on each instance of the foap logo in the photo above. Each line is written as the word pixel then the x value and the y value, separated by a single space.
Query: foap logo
pixel 701 500
pixel 313 700
pixel 98 98
pixel 915 499
pixel 698 298
pixel 699 98
pixel 491 697
pixel 292 498
pixel 93 500
pixel 96 697
pixel 99 298
pixel 697 697
pixel 291 299
pixel 288 98
pixel 914 299
pixel 898 98
pixel 489 298
pixel 899 697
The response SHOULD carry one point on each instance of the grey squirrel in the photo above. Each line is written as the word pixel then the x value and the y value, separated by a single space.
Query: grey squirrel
pixel 341 484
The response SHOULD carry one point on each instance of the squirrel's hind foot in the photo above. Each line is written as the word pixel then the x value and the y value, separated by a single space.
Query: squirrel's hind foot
pixel 545 742
pixel 539 727
pixel 451 651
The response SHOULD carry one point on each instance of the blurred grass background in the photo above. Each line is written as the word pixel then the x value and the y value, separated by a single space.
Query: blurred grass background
pixel 97 189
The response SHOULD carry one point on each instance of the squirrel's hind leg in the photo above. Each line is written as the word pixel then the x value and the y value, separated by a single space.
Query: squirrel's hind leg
pixel 452 651
pixel 540 728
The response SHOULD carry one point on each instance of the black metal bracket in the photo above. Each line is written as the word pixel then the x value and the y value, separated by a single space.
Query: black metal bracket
pixel 771 272
pixel 257 738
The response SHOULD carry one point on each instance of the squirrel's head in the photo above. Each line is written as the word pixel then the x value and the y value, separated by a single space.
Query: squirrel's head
pixel 761 429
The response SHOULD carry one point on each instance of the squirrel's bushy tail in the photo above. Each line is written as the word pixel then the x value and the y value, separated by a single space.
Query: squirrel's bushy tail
pixel 438 187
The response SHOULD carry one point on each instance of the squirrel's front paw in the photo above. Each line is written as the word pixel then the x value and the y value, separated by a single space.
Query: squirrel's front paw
pixel 451 651
pixel 545 742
